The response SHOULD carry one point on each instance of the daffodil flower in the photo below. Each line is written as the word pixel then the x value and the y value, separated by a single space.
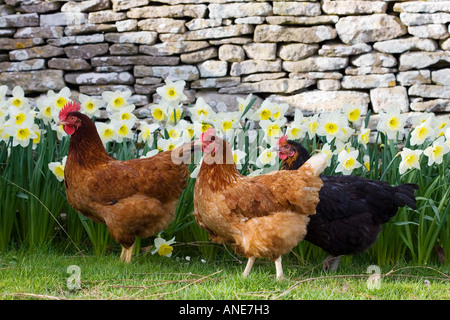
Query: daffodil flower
pixel 146 132
pixel 174 114
pixel 38 131
pixel 187 130
pixel 347 161
pixel 410 159
pixel 225 125
pixel 297 128
pixel 264 112
pixel 255 173
pixel 201 111
pixel 346 133
pixel 18 99
pixel 169 144
pixel 91 106
pixel 163 247
pixel 124 114
pixel 172 92
pixel 59 100
pixel 21 117
pixel 58 168
pixel 421 133
pixel 239 157
pixel 441 124
pixel 22 134
pixel 391 123
pixel 272 130
pixel 46 112
pixel 312 124
pixel 174 132
pixel 436 151
pixel 159 112
pixel 331 124
pixel 267 157
pixel 353 113
pixel 423 117
pixel 326 151
pixel 106 131
pixel 295 131
pixel 123 129
pixel 60 133
pixel 279 110
pixel 116 100
pixel 366 160
pixel 226 121
pixel 364 135
pixel 203 127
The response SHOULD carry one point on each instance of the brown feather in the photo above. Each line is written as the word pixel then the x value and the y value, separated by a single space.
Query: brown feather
pixel 263 216
pixel 133 198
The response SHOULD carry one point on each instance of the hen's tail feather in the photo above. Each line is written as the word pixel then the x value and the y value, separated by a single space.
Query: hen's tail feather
pixel 318 163
pixel 404 195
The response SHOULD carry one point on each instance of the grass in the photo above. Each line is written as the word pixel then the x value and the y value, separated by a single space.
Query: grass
pixel 42 274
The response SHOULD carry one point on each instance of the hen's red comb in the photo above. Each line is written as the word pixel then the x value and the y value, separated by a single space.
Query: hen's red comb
pixel 283 139
pixel 69 107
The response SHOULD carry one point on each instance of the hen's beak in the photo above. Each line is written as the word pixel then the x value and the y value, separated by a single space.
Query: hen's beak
pixel 275 148
pixel 60 123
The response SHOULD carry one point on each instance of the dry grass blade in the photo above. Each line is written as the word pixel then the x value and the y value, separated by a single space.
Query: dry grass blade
pixel 172 273
pixel 33 295
pixel 8 268
pixel 418 267
pixel 152 286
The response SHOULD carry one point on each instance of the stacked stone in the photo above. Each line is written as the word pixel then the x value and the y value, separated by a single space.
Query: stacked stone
pixel 315 55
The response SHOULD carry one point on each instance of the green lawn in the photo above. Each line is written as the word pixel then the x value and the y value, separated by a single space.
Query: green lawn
pixel 43 275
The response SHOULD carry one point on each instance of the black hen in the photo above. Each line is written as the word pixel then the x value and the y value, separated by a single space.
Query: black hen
pixel 351 209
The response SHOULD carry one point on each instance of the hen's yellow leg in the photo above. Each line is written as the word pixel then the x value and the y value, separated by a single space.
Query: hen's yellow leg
pixel 127 254
pixel 279 268
pixel 249 266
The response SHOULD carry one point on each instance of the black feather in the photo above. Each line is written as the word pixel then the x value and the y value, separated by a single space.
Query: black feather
pixel 351 209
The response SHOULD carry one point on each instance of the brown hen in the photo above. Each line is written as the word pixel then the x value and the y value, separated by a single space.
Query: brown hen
pixel 133 198
pixel 260 217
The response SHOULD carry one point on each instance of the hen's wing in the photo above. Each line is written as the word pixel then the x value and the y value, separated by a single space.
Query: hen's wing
pixel 344 196
pixel 155 177
pixel 351 211
pixel 263 195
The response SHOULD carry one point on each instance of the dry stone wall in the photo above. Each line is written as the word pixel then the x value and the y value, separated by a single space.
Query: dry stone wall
pixel 314 55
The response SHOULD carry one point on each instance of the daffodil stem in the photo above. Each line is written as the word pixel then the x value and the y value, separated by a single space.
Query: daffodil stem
pixel 388 166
